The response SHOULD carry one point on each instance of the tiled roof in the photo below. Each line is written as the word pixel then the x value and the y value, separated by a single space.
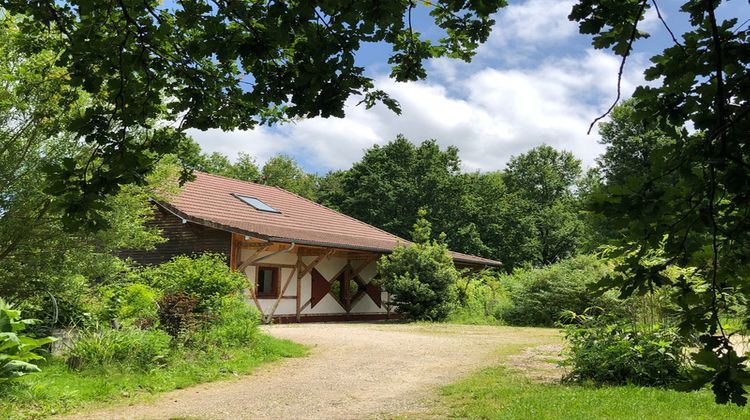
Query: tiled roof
pixel 210 200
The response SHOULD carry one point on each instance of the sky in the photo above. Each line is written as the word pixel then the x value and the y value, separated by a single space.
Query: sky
pixel 536 81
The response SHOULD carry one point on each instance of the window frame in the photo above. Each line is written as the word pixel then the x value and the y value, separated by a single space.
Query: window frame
pixel 274 282
pixel 269 209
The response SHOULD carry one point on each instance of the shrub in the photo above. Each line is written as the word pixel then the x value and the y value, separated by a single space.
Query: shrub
pixel 540 296
pixel 234 324
pixel 481 300
pixel 605 349
pixel 135 305
pixel 177 314
pixel 206 277
pixel 420 278
pixel 17 357
pixel 140 349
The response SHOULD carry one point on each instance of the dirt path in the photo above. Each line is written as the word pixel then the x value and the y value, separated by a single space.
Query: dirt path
pixel 353 371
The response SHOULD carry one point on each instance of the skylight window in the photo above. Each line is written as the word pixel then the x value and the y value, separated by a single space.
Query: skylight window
pixel 256 203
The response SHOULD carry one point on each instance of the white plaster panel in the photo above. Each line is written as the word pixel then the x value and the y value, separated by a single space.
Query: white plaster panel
pixel 327 305
pixel 286 306
pixel 329 267
pixel 366 305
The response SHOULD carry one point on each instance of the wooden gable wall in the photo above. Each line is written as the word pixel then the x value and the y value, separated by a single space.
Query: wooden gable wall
pixel 182 239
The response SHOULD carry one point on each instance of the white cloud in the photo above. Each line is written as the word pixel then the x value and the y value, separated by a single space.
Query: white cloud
pixel 533 22
pixel 489 114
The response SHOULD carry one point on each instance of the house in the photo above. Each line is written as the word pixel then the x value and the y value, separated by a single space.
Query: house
pixel 305 262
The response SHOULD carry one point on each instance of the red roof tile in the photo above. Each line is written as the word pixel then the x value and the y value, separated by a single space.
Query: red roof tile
pixel 210 200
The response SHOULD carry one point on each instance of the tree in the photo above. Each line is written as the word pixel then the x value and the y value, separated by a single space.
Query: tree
pixel 402 178
pixel 41 261
pixel 222 64
pixel 283 171
pixel 542 182
pixel 630 145
pixel 331 191
pixel 690 206
pixel 527 214
pixel 421 278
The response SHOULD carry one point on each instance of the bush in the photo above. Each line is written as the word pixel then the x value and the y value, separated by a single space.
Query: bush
pixel 420 278
pixel 481 300
pixel 206 277
pixel 17 357
pixel 177 314
pixel 135 305
pixel 234 324
pixel 140 349
pixel 540 296
pixel 605 349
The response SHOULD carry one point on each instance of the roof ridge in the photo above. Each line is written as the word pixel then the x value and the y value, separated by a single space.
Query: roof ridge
pixel 235 179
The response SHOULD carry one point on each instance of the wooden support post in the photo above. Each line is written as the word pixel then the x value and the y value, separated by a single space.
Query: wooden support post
pixel 303 270
pixel 298 295
pixel 267 318
pixel 345 288
pixel 233 253
pixel 255 299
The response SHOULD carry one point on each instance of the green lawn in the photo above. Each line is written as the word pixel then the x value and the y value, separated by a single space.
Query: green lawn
pixel 58 389
pixel 500 393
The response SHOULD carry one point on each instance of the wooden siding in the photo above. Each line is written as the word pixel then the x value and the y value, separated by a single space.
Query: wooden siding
pixel 182 239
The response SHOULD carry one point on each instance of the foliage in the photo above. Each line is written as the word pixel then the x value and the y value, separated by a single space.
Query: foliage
pixel 41 264
pixel 331 191
pixel 233 324
pixel 222 65
pixel 420 278
pixel 610 350
pixel 205 277
pixel 282 171
pixel 402 178
pixel 482 299
pixel 133 347
pixel 133 305
pixel 45 267
pixel 543 181
pixel 177 314
pixel 526 214
pixel 540 296
pixel 17 357
pixel 690 202
pixel 58 389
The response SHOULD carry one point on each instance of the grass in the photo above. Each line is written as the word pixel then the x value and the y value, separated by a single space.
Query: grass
pixel 502 393
pixel 499 393
pixel 58 389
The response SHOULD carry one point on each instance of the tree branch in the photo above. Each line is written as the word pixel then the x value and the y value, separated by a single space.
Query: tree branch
pixel 625 56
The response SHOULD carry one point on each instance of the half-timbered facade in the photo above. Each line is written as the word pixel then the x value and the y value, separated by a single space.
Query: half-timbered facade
pixel 303 261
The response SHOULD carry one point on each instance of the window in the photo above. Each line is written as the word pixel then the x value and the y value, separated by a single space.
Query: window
pixel 267 282
pixel 256 203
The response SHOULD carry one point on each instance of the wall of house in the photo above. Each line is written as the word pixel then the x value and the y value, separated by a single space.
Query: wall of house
pixel 328 268
pixel 182 239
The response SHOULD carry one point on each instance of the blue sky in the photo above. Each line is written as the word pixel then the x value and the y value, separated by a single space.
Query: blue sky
pixel 535 81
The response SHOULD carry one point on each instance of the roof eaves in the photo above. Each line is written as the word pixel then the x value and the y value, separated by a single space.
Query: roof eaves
pixel 208 223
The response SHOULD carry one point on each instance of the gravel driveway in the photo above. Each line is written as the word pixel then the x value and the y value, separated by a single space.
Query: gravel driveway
pixel 353 371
